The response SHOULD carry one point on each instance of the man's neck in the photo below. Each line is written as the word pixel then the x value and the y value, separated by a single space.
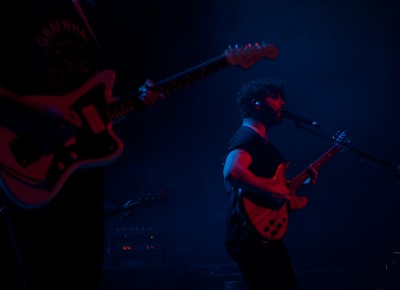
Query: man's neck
pixel 257 126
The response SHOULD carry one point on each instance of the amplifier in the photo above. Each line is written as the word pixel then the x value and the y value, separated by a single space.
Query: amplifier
pixel 135 246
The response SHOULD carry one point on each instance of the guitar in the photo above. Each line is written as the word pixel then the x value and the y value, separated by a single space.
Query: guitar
pixel 271 223
pixel 145 200
pixel 34 164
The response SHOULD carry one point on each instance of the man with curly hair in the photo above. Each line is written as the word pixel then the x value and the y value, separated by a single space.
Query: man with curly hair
pixel 250 165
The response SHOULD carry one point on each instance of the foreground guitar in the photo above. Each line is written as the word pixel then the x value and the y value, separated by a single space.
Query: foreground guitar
pixel 272 224
pixel 35 163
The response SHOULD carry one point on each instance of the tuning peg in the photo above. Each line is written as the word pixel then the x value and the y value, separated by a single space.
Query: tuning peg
pixel 260 46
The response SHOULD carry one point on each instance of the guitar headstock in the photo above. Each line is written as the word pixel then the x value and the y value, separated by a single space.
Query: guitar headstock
pixel 247 55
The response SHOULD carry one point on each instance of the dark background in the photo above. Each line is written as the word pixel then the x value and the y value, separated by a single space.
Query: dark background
pixel 340 60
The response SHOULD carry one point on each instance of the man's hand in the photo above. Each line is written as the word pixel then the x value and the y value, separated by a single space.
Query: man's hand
pixel 148 96
pixel 313 176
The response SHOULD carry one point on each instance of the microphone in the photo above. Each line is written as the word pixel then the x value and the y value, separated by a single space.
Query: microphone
pixel 298 119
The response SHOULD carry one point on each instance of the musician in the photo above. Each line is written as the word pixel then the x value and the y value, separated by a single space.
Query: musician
pixel 251 160
pixel 51 48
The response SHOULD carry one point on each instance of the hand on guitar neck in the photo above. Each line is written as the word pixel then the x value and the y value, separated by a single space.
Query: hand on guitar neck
pixel 299 202
pixel 148 95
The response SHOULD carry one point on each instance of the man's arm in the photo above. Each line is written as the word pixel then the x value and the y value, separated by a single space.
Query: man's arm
pixel 236 172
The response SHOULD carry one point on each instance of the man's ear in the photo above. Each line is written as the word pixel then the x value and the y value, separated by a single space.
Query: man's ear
pixel 256 103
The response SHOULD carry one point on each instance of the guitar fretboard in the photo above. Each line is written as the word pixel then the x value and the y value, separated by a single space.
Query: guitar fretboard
pixel 244 57
pixel 167 86
pixel 191 75
pixel 299 179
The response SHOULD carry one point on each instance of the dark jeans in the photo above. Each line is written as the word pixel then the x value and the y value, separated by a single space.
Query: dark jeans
pixel 265 266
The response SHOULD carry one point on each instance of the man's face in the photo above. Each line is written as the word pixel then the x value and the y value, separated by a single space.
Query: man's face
pixel 274 105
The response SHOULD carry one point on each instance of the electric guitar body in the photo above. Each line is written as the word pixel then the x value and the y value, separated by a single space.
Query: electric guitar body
pixel 37 164
pixel 271 223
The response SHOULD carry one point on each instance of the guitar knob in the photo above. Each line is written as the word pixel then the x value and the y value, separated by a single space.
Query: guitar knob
pixel 73 155
pixel 61 165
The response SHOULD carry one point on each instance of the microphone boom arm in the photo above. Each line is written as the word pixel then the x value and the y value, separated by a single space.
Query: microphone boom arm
pixel 363 155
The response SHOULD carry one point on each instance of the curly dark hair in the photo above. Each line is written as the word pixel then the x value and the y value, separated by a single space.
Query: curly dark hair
pixel 257 90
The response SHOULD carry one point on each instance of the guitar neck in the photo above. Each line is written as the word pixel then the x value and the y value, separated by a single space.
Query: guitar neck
pixel 191 75
pixel 244 57
pixel 130 104
pixel 299 179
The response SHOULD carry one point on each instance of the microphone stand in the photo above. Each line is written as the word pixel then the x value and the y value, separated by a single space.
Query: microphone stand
pixel 362 154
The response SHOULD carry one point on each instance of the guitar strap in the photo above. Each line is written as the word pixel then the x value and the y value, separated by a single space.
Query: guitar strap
pixel 79 9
